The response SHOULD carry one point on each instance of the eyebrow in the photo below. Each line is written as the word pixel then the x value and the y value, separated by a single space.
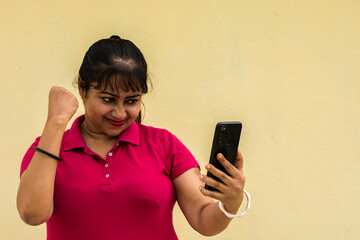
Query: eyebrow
pixel 133 96
pixel 115 95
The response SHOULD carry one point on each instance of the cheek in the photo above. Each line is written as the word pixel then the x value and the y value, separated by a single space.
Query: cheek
pixel 96 110
pixel 134 111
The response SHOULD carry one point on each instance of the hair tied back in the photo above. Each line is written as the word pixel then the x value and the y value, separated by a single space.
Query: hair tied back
pixel 115 37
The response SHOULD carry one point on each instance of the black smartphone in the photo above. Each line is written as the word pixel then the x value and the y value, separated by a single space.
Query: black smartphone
pixel 226 141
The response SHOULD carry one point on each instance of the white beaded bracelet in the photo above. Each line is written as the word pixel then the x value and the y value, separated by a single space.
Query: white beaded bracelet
pixel 229 215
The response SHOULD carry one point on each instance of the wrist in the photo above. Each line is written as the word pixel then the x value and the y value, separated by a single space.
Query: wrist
pixel 57 122
pixel 54 129
pixel 232 210
pixel 230 215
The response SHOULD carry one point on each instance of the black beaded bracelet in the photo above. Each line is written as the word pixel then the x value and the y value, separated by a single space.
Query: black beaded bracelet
pixel 47 153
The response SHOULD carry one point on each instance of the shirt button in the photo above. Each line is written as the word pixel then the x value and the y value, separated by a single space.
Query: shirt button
pixel 107 175
pixel 110 154
pixel 106 165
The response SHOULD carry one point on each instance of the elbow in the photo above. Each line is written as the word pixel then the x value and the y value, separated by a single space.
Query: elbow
pixel 33 214
pixel 32 219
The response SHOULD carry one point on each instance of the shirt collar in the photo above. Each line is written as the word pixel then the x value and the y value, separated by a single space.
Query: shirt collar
pixel 130 135
pixel 74 139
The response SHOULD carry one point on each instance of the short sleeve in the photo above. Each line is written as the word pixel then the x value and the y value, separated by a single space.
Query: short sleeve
pixel 28 156
pixel 182 158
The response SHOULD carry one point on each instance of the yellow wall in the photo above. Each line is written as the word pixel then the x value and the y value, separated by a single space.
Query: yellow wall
pixel 289 70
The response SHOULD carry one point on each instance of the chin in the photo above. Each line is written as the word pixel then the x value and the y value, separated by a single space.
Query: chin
pixel 116 132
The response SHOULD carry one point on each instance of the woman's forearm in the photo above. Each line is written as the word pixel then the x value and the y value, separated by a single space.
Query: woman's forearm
pixel 211 220
pixel 36 190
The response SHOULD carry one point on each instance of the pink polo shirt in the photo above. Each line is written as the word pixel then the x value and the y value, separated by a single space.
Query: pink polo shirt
pixel 128 195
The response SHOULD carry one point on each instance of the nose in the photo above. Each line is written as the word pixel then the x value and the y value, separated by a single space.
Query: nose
pixel 119 112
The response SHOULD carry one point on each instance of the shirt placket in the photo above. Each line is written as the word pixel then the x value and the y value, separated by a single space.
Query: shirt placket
pixel 107 167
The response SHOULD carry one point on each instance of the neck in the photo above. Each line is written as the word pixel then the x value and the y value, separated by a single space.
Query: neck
pixel 88 134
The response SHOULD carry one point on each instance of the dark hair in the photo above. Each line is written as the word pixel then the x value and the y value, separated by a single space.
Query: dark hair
pixel 114 62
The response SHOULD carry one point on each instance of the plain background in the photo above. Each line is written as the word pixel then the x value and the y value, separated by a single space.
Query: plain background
pixel 289 70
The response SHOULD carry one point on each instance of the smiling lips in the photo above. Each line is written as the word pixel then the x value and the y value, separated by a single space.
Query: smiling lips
pixel 116 123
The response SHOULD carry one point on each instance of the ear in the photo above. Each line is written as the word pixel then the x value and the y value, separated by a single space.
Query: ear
pixel 82 91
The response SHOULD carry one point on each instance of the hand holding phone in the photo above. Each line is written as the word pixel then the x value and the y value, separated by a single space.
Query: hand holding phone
pixel 226 141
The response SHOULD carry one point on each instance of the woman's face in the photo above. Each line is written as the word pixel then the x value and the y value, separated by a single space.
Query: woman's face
pixel 109 112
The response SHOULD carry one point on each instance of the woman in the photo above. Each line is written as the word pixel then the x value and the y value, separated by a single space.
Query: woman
pixel 116 178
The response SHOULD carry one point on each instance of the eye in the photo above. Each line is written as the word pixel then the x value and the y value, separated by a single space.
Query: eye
pixel 108 99
pixel 132 101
